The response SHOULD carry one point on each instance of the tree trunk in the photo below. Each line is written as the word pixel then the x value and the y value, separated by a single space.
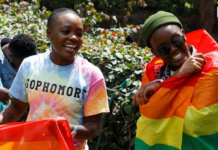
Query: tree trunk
pixel 206 14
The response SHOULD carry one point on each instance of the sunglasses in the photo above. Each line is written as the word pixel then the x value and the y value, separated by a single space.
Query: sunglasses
pixel 176 42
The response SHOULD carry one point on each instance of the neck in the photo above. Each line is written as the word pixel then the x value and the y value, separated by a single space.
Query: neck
pixel 173 68
pixel 15 67
pixel 60 61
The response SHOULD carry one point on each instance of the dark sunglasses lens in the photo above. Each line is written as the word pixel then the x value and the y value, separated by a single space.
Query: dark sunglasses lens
pixel 164 50
pixel 178 41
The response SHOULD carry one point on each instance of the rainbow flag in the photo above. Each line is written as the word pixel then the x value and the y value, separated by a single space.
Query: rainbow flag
pixel 50 134
pixel 183 112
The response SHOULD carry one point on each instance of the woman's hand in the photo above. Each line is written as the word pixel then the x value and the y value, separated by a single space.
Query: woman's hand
pixel 4 95
pixel 89 129
pixel 145 92
pixel 193 64
pixel 13 111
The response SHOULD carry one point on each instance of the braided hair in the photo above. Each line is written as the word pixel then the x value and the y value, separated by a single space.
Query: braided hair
pixel 58 12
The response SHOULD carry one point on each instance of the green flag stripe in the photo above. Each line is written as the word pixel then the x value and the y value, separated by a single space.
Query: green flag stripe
pixel 141 145
pixel 207 142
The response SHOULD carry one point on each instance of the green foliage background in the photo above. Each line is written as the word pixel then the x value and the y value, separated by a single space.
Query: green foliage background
pixel 106 48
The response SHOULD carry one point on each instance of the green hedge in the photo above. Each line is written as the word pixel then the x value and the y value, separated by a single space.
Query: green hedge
pixel 107 49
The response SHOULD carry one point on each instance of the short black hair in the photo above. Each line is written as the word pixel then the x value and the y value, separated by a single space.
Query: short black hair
pixel 22 46
pixel 58 12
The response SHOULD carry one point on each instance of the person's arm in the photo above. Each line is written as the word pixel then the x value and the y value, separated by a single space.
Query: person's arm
pixel 4 95
pixel 13 111
pixel 96 103
pixel 90 128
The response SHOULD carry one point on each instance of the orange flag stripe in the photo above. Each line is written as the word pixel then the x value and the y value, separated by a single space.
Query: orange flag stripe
pixel 209 82
pixel 169 90
pixel 164 97
pixel 37 145
pixel 145 79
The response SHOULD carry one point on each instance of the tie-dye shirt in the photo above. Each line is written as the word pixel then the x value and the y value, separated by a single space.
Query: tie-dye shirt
pixel 71 91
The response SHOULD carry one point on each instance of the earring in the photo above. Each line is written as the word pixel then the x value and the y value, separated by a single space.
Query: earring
pixel 10 60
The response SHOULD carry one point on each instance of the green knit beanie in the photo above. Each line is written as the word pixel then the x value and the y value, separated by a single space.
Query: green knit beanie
pixel 155 21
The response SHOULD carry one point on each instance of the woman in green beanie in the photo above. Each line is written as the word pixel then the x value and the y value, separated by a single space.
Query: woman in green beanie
pixel 178 97
pixel 164 35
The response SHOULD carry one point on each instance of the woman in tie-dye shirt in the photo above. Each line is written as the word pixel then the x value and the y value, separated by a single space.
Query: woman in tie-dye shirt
pixel 60 83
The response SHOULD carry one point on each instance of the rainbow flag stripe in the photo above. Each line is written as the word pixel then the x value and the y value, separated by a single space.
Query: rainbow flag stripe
pixel 183 112
pixel 50 134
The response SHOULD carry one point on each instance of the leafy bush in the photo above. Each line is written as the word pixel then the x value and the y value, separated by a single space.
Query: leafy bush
pixel 117 62
pixel 184 8
pixel 24 18
pixel 107 49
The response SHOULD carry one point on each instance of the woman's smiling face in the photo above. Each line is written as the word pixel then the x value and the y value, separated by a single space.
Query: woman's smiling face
pixel 166 35
pixel 66 35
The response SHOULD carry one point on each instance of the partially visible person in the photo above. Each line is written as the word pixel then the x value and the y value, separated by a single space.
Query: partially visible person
pixel 12 53
pixel 178 98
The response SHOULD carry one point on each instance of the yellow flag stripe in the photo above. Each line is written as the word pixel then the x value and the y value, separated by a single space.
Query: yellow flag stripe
pixel 201 122
pixel 160 131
